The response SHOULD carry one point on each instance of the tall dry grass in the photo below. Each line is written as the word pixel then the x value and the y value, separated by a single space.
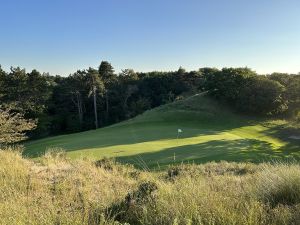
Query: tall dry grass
pixel 56 190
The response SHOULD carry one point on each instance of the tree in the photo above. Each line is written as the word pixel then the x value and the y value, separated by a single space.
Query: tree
pixel 95 97
pixel 16 88
pixel 96 86
pixel 226 84
pixel 128 80
pixel 39 90
pixel 292 95
pixel 106 73
pixel 13 127
pixel 244 90
pixel 2 83
pixel 181 71
pixel 77 88
pixel 29 93
pixel 262 96
pixel 282 78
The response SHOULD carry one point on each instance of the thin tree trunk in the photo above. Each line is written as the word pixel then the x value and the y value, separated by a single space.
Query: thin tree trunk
pixel 95 107
pixel 78 103
pixel 79 106
pixel 125 101
pixel 106 99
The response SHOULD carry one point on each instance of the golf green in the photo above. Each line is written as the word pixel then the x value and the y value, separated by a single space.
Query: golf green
pixel 210 132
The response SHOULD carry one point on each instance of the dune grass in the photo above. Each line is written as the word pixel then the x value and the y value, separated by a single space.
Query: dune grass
pixel 210 132
pixel 56 190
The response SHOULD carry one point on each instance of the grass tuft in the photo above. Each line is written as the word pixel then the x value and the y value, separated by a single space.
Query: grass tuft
pixel 279 184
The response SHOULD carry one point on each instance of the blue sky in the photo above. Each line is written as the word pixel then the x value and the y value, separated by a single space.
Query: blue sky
pixel 61 36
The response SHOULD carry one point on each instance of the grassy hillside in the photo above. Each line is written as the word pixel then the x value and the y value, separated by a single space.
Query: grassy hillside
pixel 210 132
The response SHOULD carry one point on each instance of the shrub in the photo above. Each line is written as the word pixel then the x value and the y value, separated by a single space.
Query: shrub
pixel 13 126
pixel 131 208
pixel 211 169
pixel 105 163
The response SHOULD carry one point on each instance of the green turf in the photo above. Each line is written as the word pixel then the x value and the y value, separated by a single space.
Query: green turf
pixel 210 132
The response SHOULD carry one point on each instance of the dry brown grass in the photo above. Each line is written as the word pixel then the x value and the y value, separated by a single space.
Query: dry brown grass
pixel 55 190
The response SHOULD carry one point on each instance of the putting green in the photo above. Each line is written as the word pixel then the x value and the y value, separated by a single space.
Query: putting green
pixel 210 132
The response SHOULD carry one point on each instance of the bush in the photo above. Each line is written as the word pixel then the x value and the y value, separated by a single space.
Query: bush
pixel 131 208
pixel 105 163
pixel 261 96
pixel 211 169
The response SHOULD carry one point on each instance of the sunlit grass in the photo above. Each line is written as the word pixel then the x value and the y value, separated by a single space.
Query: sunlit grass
pixel 210 132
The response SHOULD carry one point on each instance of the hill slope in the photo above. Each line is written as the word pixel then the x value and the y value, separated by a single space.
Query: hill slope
pixel 210 132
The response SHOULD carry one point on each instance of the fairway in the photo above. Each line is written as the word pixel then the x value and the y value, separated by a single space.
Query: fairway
pixel 210 133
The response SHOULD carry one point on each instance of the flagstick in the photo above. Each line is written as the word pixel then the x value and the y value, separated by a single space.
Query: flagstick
pixel 178 132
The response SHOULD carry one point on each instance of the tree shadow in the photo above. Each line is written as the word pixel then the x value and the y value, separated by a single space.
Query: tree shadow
pixel 286 134
pixel 242 150
pixel 131 133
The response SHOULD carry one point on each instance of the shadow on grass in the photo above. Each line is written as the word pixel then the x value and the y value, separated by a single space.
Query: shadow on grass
pixel 252 150
pixel 246 150
pixel 284 132
pixel 130 134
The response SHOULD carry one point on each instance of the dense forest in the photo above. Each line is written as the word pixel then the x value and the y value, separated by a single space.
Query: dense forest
pixel 93 98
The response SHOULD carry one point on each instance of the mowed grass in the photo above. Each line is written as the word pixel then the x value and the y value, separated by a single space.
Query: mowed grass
pixel 210 133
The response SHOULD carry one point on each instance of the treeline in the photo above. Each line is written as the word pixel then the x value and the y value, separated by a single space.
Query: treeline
pixel 98 97
pixel 247 92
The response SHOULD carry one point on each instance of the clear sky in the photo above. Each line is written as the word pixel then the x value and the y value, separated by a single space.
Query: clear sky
pixel 61 36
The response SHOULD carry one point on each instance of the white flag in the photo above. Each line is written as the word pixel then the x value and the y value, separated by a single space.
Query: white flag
pixel 179 131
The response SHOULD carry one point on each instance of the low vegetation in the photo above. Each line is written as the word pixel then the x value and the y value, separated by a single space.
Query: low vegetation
pixel 13 126
pixel 55 190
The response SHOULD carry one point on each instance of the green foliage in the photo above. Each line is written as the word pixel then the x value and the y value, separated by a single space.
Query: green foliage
pixel 94 81
pixel 250 93
pixel 261 96
pixel 29 94
pixel 227 83
pixel 282 78
pixel 73 103
pixel 292 95
pixel 106 73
